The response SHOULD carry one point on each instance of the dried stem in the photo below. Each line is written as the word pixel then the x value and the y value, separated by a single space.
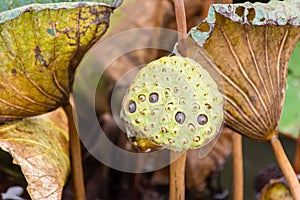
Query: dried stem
pixel 76 160
pixel 181 25
pixel 286 167
pixel 177 177
pixel 238 174
pixel 297 157
pixel 177 168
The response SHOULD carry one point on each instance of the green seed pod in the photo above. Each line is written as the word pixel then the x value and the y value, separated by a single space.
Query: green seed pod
pixel 174 103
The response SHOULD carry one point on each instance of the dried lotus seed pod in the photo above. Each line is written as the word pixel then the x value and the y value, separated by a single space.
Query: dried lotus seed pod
pixel 174 103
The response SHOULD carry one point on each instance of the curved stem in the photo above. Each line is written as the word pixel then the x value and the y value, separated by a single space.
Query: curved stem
pixel 286 167
pixel 238 174
pixel 76 160
pixel 177 178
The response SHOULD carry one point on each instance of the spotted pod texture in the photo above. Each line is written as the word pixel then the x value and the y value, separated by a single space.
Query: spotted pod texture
pixel 174 103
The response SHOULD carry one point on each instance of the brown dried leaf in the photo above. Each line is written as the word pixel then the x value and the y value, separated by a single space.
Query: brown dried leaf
pixel 251 53
pixel 40 146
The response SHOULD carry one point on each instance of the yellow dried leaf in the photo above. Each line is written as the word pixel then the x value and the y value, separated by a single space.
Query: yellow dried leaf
pixel 40 146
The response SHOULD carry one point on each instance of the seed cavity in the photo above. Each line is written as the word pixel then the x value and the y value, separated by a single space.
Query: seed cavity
pixel 167 92
pixel 163 70
pixel 191 127
pixel 153 98
pixel 169 106
pixel 138 121
pixel 176 89
pixel 182 101
pixel 131 107
pixel 170 141
pixel 144 112
pixel 146 128
pixel 208 131
pixel 164 130
pixel 135 88
pixel 180 117
pixel 202 119
pixel 155 111
pixel 142 97
pixel 152 125
pixel 196 139
pixel 195 107
pixel 175 131
pixel 184 140
pixel 208 106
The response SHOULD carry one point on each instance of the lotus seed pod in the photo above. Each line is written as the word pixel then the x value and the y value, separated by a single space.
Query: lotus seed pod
pixel 174 103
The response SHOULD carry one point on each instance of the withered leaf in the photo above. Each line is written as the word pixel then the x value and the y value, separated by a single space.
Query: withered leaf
pixel 40 47
pixel 40 146
pixel 251 45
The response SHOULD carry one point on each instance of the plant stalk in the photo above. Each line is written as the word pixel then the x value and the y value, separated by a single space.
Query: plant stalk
pixel 177 177
pixel 177 168
pixel 76 160
pixel 297 156
pixel 238 172
pixel 286 167
pixel 181 25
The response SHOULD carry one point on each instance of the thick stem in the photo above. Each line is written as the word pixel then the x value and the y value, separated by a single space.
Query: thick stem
pixel 76 160
pixel 286 167
pixel 238 174
pixel 177 177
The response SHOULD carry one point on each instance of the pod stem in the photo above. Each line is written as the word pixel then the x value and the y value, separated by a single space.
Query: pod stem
pixel 181 26
pixel 76 160
pixel 238 174
pixel 177 177
pixel 286 167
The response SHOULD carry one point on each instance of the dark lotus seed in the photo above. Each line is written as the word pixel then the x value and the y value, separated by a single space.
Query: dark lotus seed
pixel 131 107
pixel 202 119
pixel 153 98
pixel 180 117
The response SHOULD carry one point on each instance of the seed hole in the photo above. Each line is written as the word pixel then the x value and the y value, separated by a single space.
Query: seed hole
pixel 144 112
pixel 169 106
pixel 196 139
pixel 208 131
pixel 164 130
pixel 191 127
pixel 155 111
pixel 208 106
pixel 153 98
pixel 180 117
pixel 202 119
pixel 182 101
pixel 167 92
pixel 142 97
pixel 170 141
pixel 184 141
pixel 131 107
